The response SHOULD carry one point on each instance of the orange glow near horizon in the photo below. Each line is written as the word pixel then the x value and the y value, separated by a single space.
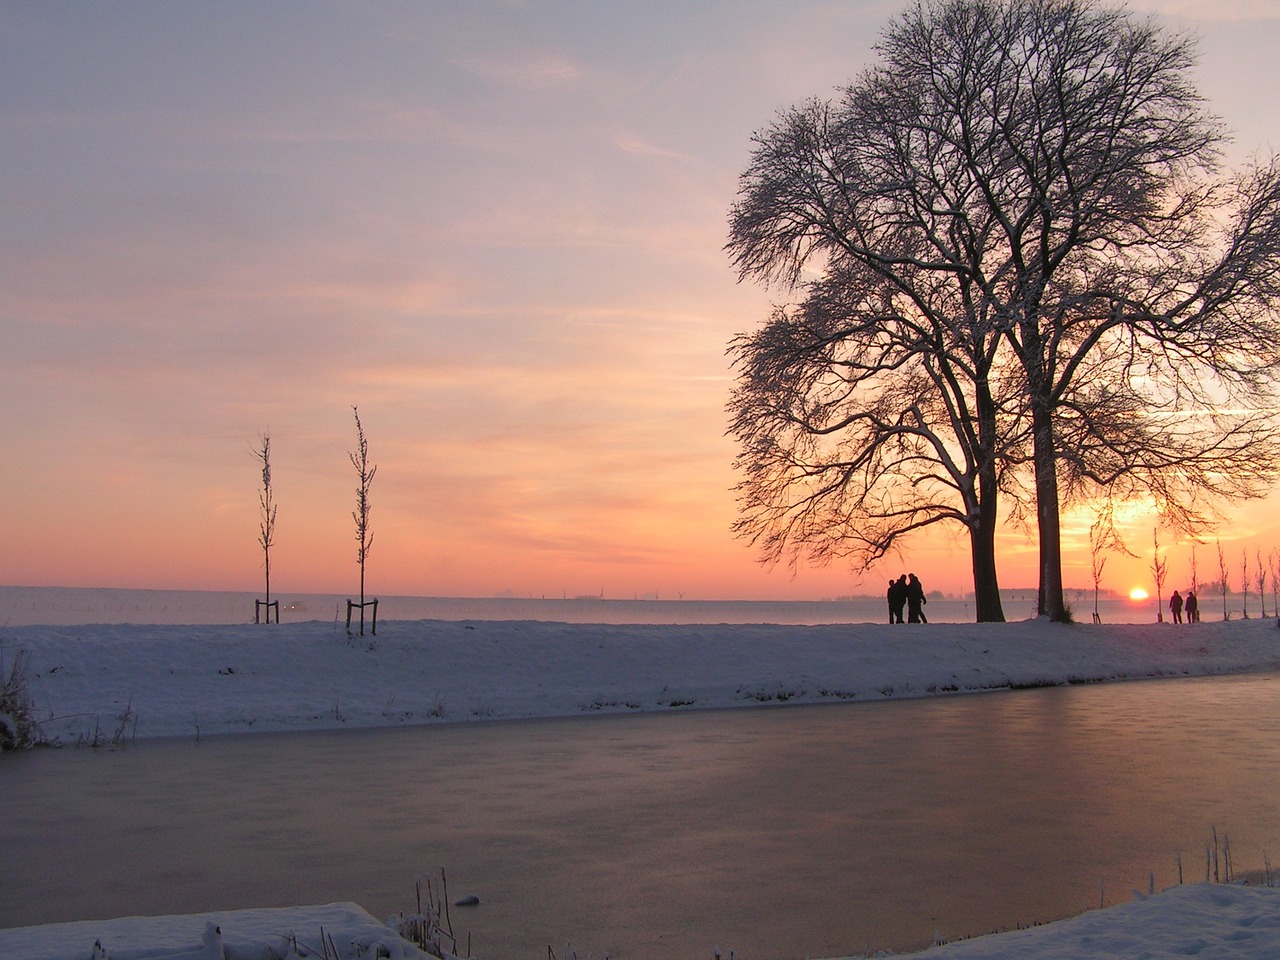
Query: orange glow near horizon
pixel 1138 593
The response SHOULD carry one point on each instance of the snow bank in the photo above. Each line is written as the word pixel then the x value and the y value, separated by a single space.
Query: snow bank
pixel 165 681
pixel 1203 920
pixel 269 934
pixel 1207 921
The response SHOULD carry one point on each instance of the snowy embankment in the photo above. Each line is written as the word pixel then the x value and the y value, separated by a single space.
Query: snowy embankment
pixel 95 682
pixel 169 681
pixel 1204 920
pixel 1208 921
pixel 341 929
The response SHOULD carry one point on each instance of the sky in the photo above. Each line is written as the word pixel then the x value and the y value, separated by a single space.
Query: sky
pixel 494 228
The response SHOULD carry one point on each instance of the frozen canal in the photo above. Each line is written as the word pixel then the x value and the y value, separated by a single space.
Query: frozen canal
pixel 781 833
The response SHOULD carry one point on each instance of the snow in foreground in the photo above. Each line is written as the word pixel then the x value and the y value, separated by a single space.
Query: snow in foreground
pixel 1204 920
pixel 268 934
pixel 94 682
pixel 1207 920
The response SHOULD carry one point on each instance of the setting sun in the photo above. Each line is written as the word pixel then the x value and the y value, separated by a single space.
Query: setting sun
pixel 1137 593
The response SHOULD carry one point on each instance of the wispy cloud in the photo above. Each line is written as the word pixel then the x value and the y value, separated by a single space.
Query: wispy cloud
pixel 529 72
pixel 629 143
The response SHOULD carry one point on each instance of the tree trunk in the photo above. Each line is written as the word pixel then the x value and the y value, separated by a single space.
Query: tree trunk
pixel 1051 602
pixel 982 529
pixel 986 588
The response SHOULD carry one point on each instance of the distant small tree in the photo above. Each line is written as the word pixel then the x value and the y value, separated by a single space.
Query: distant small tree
pixel 1244 584
pixel 1274 557
pixel 1098 563
pixel 1102 537
pixel 267 521
pixel 1224 580
pixel 1260 581
pixel 1159 569
pixel 364 533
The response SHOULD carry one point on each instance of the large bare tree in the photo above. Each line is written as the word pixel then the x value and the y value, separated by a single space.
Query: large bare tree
pixel 865 414
pixel 1041 172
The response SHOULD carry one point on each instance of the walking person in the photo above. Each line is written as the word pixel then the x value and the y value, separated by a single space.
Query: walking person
pixel 1175 607
pixel 1193 607
pixel 897 598
pixel 916 601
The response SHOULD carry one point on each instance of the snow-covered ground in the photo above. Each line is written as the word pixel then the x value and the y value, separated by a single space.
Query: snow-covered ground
pixel 270 934
pixel 174 681
pixel 100 682
pixel 1203 920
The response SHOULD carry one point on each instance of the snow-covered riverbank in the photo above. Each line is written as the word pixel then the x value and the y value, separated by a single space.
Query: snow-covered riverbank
pixel 167 681
pixel 1208 921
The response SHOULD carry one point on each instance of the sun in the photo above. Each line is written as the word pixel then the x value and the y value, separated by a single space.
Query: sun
pixel 1137 593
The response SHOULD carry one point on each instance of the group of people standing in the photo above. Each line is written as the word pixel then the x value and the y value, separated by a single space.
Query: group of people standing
pixel 1191 605
pixel 907 593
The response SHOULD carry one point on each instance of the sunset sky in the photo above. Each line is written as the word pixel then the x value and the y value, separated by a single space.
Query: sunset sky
pixel 495 227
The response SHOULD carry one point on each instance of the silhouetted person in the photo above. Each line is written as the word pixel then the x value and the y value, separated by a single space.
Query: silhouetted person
pixel 897 598
pixel 1193 608
pixel 1175 607
pixel 916 601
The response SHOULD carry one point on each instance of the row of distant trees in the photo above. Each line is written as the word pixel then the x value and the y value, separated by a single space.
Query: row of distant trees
pixel 364 532
pixel 1020 279
pixel 1253 577
pixel 1263 572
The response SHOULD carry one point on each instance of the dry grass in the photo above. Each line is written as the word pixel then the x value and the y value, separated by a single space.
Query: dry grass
pixel 18 726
